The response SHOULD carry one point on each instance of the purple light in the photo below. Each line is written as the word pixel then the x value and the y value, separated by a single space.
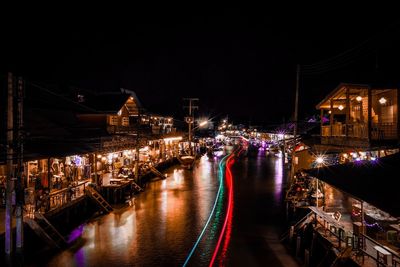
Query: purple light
pixel 75 234
pixel 80 258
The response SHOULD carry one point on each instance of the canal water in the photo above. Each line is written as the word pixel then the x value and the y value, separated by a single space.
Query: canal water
pixel 162 225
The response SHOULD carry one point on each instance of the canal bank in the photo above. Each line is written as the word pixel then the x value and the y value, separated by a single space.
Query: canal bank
pixel 66 216
pixel 163 223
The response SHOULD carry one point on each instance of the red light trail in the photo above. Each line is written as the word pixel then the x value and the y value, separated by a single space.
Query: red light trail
pixel 228 217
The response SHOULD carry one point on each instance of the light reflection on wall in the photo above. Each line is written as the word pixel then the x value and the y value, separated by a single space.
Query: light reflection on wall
pixel 278 180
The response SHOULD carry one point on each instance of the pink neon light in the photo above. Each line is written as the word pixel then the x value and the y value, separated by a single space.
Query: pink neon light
pixel 229 225
pixel 229 183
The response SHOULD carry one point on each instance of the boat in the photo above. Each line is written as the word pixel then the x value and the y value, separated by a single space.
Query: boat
pixel 187 161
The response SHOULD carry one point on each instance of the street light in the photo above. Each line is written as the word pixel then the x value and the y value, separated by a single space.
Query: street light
pixel 203 123
pixel 319 160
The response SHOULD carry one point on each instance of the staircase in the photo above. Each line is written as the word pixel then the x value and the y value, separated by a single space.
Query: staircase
pixel 344 254
pixel 157 172
pixel 137 187
pixel 296 226
pixel 93 194
pixel 44 229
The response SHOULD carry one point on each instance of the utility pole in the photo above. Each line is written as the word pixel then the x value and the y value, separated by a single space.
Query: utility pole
pixel 137 146
pixel 10 166
pixel 20 168
pixel 190 119
pixel 296 107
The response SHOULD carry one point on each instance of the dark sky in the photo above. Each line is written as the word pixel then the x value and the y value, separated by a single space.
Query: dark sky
pixel 239 61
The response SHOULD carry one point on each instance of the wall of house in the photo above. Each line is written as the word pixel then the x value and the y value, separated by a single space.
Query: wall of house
pixel 303 160
pixel 93 119
pixel 119 119
pixel 384 116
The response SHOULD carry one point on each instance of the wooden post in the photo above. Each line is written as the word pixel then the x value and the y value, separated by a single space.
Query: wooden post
pixel 20 171
pixel 96 181
pixel 369 114
pixel 298 245
pixel 322 119
pixel 331 117
pixel 10 167
pixel 306 258
pixel 347 111
pixel 397 114
pixel 291 233
pixel 296 107
pixel 137 147
pixel 49 178
pixel 313 240
pixel 362 217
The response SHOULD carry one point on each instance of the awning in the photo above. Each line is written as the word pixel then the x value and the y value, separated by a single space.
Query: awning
pixel 376 182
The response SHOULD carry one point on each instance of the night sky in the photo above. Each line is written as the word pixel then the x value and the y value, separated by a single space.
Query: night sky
pixel 239 61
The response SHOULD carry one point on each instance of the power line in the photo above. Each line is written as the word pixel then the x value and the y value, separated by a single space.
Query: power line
pixel 348 56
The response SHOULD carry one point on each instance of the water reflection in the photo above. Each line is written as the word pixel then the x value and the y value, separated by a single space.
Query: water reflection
pixel 162 226
pixel 278 177
pixel 158 230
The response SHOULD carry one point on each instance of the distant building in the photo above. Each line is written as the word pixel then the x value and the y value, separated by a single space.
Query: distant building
pixel 119 112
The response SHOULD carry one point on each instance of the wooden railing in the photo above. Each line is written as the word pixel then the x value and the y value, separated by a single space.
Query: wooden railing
pixel 382 131
pixel 357 130
pixel 326 130
pixel 383 255
pixel 61 197
pixel 337 130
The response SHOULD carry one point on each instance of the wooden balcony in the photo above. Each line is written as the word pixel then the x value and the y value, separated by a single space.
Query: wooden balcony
pixel 384 131
pixel 358 130
pixel 357 134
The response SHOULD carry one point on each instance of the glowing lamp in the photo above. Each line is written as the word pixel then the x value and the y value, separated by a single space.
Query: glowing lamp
pixel 382 100
pixel 359 98
pixel 319 160
pixel 340 107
